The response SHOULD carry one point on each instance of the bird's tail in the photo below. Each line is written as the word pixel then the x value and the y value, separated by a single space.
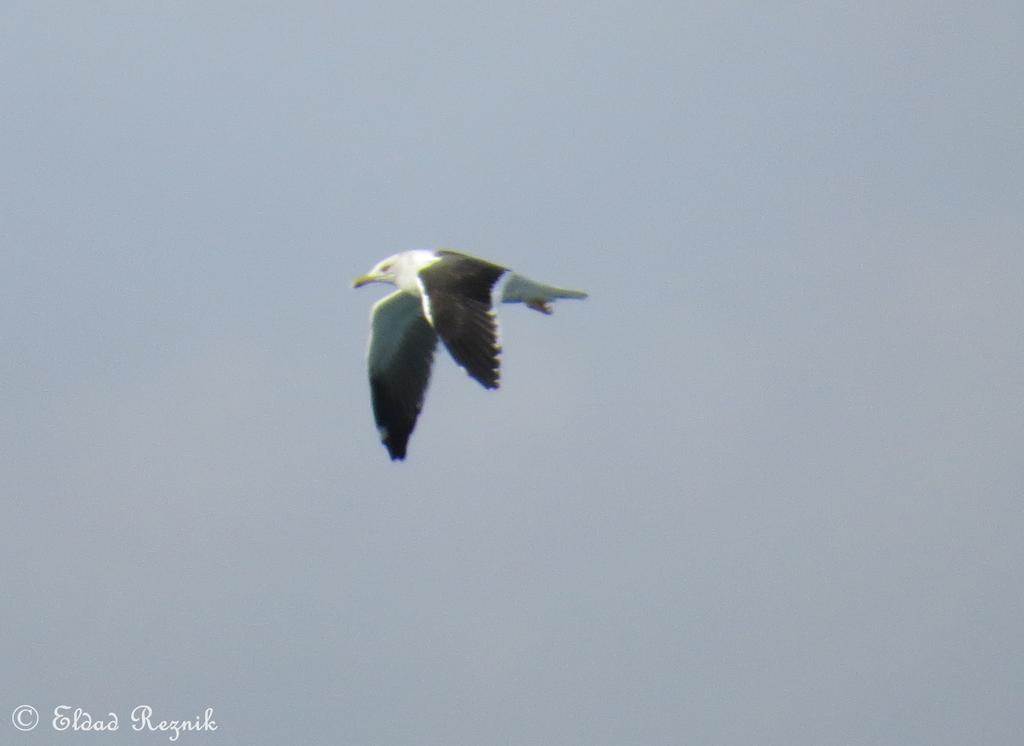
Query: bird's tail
pixel 536 295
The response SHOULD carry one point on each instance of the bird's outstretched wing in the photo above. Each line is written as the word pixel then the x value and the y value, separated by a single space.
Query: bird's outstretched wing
pixel 457 301
pixel 400 355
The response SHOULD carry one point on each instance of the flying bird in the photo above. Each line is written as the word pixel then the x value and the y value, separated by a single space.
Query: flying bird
pixel 440 294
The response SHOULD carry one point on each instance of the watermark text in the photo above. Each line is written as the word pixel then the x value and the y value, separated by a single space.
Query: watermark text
pixel 140 718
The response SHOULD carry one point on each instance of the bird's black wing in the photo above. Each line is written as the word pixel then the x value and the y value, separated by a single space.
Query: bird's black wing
pixel 457 300
pixel 401 352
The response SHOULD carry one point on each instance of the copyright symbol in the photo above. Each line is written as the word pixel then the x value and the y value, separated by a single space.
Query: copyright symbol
pixel 25 717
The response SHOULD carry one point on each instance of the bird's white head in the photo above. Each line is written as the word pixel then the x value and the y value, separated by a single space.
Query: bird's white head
pixel 383 271
pixel 399 269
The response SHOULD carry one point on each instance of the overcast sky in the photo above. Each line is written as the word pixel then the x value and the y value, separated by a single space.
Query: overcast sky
pixel 763 487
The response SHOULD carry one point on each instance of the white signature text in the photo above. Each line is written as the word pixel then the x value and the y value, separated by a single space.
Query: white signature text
pixel 66 717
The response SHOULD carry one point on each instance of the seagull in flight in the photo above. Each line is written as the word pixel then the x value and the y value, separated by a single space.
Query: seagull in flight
pixel 442 294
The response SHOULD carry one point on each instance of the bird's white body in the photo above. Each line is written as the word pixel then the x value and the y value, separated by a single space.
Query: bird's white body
pixel 403 271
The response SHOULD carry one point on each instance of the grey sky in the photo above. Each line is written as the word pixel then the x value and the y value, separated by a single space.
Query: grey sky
pixel 763 487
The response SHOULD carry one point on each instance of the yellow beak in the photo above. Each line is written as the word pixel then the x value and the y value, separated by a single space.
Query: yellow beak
pixel 364 280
